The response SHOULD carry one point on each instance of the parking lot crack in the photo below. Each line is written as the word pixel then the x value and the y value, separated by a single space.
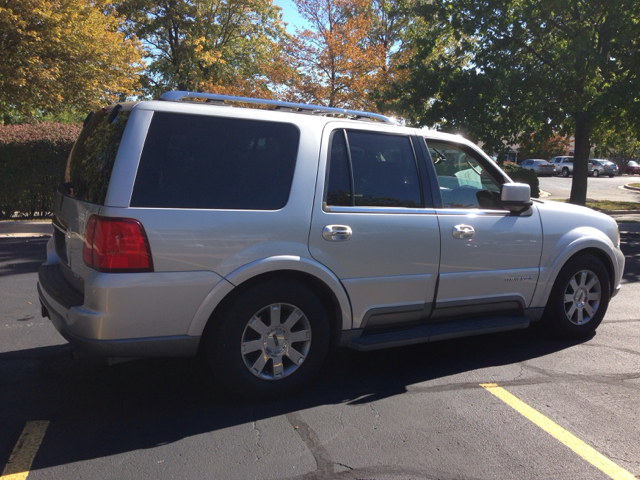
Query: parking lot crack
pixel 520 372
pixel 617 379
pixel 635 463
pixel 324 464
pixel 258 440
pixel 617 349
pixel 376 421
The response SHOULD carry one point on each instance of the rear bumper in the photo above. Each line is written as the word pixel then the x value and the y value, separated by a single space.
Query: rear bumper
pixel 178 346
pixel 126 315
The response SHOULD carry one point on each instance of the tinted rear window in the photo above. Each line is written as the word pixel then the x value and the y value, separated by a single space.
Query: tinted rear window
pixel 374 170
pixel 93 155
pixel 201 162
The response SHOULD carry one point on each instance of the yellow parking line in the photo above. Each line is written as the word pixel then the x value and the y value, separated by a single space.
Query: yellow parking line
pixel 24 452
pixel 574 443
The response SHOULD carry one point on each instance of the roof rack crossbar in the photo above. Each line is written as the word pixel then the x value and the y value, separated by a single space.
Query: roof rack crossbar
pixel 179 95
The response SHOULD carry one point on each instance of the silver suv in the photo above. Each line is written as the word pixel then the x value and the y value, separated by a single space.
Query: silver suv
pixel 259 237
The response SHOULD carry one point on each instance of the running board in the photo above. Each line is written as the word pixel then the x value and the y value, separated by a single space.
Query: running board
pixel 435 332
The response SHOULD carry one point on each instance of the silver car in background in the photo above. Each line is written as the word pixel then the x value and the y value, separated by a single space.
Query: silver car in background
pixel 603 167
pixel 540 166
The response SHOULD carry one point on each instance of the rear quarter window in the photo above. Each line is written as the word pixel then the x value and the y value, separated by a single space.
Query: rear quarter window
pixel 202 162
pixel 91 161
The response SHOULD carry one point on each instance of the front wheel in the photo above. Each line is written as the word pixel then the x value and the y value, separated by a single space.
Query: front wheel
pixel 270 342
pixel 579 298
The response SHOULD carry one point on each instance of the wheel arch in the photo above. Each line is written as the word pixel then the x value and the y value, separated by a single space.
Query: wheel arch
pixel 602 252
pixel 315 277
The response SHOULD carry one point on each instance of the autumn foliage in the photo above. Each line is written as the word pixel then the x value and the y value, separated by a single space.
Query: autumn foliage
pixel 57 55
pixel 343 57
pixel 221 46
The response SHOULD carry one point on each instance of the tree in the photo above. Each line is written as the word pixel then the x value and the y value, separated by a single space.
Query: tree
pixel 332 56
pixel 545 147
pixel 57 56
pixel 501 69
pixel 619 145
pixel 346 53
pixel 226 46
pixel 390 22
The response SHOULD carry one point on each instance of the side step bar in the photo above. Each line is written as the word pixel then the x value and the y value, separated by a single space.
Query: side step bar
pixel 435 332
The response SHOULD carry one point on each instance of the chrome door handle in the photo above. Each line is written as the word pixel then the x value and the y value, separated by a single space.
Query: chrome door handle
pixel 336 233
pixel 463 231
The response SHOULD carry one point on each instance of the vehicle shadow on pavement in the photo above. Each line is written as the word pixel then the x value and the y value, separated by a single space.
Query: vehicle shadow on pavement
pixel 630 246
pixel 19 255
pixel 98 411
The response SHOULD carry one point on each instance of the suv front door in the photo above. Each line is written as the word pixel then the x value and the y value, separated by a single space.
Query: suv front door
pixel 490 257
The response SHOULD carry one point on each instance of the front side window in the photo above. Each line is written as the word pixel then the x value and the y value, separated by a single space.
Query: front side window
pixel 464 182
pixel 201 162
pixel 371 169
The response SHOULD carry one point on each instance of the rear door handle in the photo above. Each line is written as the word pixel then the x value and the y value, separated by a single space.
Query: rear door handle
pixel 336 233
pixel 463 231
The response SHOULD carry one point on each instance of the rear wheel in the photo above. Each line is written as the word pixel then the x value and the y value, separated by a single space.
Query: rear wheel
pixel 596 173
pixel 270 342
pixel 565 172
pixel 579 298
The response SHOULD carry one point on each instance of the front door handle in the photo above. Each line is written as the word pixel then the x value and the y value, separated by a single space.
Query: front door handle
pixel 463 231
pixel 336 233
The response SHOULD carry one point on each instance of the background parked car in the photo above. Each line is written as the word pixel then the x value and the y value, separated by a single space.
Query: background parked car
pixel 564 165
pixel 603 167
pixel 632 168
pixel 541 167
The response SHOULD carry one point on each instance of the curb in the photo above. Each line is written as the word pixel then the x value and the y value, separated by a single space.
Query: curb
pixel 629 187
pixel 25 235
pixel 25 228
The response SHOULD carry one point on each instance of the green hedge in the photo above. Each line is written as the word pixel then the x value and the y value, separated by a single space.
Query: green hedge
pixel 32 163
pixel 523 175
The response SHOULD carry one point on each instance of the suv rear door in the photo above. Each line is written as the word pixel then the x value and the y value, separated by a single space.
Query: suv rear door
pixel 374 225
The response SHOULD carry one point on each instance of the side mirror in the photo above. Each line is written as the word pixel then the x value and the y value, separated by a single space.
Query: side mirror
pixel 516 197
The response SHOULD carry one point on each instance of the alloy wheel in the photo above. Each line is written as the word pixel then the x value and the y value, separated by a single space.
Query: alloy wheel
pixel 276 341
pixel 582 297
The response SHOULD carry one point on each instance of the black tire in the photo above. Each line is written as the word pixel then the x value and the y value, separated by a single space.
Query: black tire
pixel 567 314
pixel 596 173
pixel 267 369
pixel 565 172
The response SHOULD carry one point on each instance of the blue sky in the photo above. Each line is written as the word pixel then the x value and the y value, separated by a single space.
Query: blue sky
pixel 290 15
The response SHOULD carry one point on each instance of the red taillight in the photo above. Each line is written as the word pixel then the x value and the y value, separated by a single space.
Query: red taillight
pixel 116 245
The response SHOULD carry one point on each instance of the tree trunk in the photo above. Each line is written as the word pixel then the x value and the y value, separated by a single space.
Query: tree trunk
pixel 580 160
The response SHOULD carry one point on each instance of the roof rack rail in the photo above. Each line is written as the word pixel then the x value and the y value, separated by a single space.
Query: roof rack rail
pixel 177 96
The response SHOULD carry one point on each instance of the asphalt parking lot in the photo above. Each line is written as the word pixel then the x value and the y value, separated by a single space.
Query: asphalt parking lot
pixel 512 405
